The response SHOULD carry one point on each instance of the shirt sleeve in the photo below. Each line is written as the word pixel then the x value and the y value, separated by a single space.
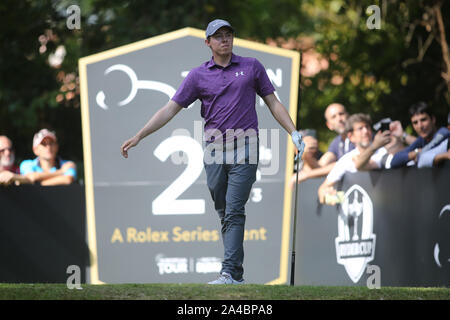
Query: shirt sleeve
pixel 187 93
pixel 380 157
pixel 439 136
pixel 343 165
pixel 400 159
pixel 263 86
pixel 386 161
pixel 334 147
pixel 26 167
pixel 426 158
pixel 70 172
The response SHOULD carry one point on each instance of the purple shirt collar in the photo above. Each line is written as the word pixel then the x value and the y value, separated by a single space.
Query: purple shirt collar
pixel 234 59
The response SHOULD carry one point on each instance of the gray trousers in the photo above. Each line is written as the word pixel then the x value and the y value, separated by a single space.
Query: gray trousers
pixel 230 185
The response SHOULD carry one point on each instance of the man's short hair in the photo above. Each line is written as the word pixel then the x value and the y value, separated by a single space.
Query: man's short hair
pixel 331 105
pixel 419 108
pixel 357 117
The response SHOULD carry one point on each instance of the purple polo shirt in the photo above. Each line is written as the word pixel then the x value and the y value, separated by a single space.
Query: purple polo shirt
pixel 228 94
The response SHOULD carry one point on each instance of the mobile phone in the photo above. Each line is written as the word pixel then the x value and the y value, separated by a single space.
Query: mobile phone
pixel 384 126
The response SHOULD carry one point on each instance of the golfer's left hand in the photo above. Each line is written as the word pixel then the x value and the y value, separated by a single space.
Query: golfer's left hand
pixel 130 143
pixel 299 144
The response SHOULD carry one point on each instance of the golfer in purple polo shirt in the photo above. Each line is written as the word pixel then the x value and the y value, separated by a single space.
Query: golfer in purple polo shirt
pixel 227 86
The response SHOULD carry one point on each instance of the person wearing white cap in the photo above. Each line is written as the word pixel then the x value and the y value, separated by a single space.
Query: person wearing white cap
pixel 47 168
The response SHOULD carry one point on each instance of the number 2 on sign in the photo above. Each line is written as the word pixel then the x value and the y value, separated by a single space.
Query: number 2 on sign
pixel 167 203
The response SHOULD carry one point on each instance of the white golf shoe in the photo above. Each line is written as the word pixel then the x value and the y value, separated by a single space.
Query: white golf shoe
pixel 225 278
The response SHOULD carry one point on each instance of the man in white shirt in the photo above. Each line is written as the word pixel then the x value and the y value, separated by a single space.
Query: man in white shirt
pixel 367 155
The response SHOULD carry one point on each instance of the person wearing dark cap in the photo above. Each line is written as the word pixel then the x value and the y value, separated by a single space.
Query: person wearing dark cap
pixel 47 168
pixel 226 85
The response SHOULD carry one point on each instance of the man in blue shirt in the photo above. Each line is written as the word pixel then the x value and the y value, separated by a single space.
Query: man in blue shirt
pixel 436 155
pixel 48 169
pixel 336 117
pixel 424 123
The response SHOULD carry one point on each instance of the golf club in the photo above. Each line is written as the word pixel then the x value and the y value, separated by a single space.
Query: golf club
pixel 298 160
pixel 294 231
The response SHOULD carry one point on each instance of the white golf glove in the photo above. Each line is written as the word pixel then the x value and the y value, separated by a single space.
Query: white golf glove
pixel 299 144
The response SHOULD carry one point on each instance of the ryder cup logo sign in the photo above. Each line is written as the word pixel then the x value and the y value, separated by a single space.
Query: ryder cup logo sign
pixel 355 244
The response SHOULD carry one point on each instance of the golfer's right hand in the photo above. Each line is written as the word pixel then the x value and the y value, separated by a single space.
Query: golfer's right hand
pixel 127 145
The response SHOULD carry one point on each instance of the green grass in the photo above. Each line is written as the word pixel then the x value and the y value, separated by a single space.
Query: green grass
pixel 208 292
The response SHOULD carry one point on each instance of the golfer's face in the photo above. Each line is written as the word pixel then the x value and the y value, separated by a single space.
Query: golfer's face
pixel 221 42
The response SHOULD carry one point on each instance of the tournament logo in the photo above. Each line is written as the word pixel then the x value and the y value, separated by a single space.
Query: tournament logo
pixel 355 244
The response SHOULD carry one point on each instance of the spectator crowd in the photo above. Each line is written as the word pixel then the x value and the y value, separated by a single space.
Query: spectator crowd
pixel 47 169
pixel 361 146
pixel 358 146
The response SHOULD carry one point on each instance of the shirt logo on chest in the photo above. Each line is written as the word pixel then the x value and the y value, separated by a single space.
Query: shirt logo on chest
pixel 241 73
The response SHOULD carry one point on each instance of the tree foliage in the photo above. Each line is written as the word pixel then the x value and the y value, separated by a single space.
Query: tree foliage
pixel 379 71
